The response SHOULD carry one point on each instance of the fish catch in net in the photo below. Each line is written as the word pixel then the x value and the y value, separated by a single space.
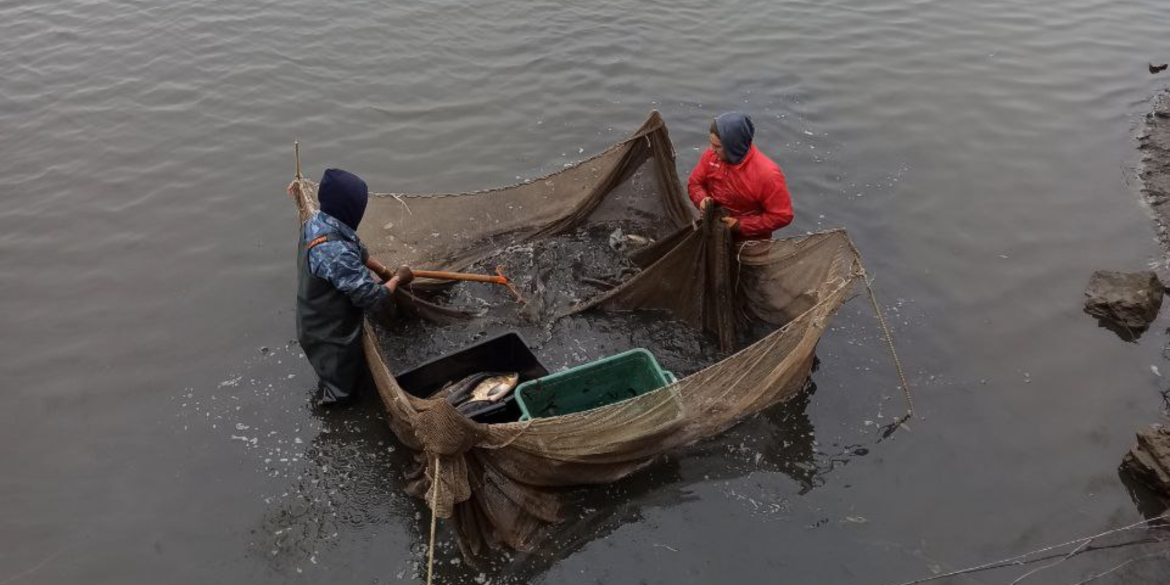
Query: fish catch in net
pixel 611 244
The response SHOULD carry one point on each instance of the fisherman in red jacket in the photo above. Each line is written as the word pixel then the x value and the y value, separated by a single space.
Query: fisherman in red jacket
pixel 742 180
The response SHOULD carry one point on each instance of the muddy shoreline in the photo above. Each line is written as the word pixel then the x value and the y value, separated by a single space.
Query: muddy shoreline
pixel 1148 461
pixel 1154 144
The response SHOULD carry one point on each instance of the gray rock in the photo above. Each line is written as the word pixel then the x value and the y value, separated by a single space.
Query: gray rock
pixel 1149 460
pixel 1127 299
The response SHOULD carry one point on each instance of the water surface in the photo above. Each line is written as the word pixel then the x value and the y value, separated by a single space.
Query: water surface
pixel 154 417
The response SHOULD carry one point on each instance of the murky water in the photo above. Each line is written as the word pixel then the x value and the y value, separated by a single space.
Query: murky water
pixel 154 418
pixel 551 278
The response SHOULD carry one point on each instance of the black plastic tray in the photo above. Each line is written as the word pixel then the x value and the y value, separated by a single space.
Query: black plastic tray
pixel 504 353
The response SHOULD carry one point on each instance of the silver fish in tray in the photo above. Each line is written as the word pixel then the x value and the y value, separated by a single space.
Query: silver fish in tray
pixel 482 387
pixel 496 387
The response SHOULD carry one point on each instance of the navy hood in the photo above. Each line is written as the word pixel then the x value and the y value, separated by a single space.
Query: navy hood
pixel 343 195
pixel 735 132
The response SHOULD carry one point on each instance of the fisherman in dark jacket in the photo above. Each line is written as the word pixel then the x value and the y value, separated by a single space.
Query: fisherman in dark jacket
pixel 335 288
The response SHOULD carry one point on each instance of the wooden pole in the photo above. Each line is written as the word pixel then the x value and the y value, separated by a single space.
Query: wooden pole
pixel 441 275
pixel 297 155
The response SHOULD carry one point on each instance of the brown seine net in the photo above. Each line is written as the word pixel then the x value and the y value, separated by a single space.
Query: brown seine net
pixel 502 484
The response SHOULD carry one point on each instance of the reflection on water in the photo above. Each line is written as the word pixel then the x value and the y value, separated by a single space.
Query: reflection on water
pixel 1150 503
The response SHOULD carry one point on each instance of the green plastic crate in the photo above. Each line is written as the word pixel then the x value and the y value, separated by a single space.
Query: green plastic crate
pixel 605 381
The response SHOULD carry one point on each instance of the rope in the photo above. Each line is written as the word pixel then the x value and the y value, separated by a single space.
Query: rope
pixel 893 353
pixel 434 521
pixel 399 198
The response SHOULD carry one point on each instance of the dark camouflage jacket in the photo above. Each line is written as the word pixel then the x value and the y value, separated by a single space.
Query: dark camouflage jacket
pixel 339 260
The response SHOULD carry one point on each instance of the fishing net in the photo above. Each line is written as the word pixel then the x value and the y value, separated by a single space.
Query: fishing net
pixel 504 484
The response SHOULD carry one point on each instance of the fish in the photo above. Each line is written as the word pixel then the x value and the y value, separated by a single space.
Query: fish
pixel 489 386
pixel 459 391
pixel 495 387
pixel 620 242
pixel 617 239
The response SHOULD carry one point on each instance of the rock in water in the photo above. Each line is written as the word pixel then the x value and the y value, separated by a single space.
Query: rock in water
pixel 1128 299
pixel 1149 460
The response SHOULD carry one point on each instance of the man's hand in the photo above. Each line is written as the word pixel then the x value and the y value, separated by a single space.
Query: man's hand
pixel 731 223
pixel 294 189
pixel 404 275
pixel 401 276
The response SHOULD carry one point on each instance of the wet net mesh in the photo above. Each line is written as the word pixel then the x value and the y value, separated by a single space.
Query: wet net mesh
pixel 502 485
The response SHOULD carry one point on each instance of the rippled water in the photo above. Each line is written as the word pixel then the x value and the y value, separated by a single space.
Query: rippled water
pixel 980 153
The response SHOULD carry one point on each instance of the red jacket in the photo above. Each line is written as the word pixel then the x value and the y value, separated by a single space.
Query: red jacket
pixel 753 191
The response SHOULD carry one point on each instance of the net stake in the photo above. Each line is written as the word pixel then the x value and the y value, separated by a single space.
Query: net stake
pixel 297 156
